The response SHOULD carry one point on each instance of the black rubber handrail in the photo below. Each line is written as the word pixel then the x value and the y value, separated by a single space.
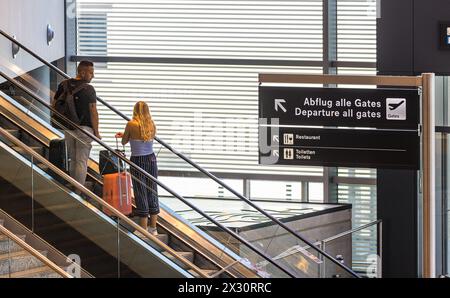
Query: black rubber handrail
pixel 195 165
pixel 142 172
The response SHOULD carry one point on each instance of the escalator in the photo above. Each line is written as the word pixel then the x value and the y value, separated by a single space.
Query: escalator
pixel 194 230
pixel 33 193
pixel 48 219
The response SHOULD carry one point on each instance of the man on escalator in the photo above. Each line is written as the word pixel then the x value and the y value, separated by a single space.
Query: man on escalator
pixel 85 101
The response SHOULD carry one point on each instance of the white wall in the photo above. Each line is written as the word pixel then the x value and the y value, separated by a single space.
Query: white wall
pixel 27 20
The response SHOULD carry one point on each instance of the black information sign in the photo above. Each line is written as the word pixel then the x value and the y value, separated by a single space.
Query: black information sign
pixel 374 128
pixel 380 108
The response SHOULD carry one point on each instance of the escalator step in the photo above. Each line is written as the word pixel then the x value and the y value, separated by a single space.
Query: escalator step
pixel 188 255
pixel 7 245
pixel 39 272
pixel 43 167
pixel 163 238
pixel 39 150
pixel 19 261
pixel 175 260
pixel 206 271
pixel 89 185
pixel 22 100
pixel 14 132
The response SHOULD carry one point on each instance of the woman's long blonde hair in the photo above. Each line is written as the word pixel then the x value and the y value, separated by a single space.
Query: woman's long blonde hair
pixel 141 114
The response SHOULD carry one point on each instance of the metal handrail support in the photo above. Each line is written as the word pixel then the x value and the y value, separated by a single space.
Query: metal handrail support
pixel 322 244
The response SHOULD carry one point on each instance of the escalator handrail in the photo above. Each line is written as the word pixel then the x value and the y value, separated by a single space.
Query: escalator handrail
pixel 142 172
pixel 37 157
pixel 195 165
pixel 33 252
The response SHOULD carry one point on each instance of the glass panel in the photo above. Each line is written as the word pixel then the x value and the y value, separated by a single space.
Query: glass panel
pixel 65 223
pixel 267 239
pixel 352 250
pixel 247 221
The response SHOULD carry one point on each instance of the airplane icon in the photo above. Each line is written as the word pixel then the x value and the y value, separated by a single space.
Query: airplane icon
pixel 394 106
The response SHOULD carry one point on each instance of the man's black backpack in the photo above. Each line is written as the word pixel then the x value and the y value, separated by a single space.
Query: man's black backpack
pixel 65 105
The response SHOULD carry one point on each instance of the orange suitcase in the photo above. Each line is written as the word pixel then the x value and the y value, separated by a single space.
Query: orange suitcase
pixel 117 191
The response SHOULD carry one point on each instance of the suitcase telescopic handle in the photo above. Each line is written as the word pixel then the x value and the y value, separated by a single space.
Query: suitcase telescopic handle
pixel 117 145
pixel 125 174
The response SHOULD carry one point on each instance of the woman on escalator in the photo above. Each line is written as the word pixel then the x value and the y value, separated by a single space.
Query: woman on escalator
pixel 140 132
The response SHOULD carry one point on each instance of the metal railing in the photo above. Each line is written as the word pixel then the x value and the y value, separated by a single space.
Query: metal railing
pixel 34 252
pixel 180 155
pixel 323 243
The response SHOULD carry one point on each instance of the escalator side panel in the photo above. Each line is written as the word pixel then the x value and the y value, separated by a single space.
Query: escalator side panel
pixel 88 222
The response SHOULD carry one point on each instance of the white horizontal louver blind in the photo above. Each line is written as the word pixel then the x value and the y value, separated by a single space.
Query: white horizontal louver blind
pixel 208 112
pixel 356 28
pixel 281 30
pixel 92 29
pixel 357 173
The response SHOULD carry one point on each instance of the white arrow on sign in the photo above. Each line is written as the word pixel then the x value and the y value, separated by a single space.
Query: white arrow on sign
pixel 276 139
pixel 276 153
pixel 278 103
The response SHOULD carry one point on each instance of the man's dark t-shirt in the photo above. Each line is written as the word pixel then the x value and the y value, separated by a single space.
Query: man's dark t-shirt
pixel 82 100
